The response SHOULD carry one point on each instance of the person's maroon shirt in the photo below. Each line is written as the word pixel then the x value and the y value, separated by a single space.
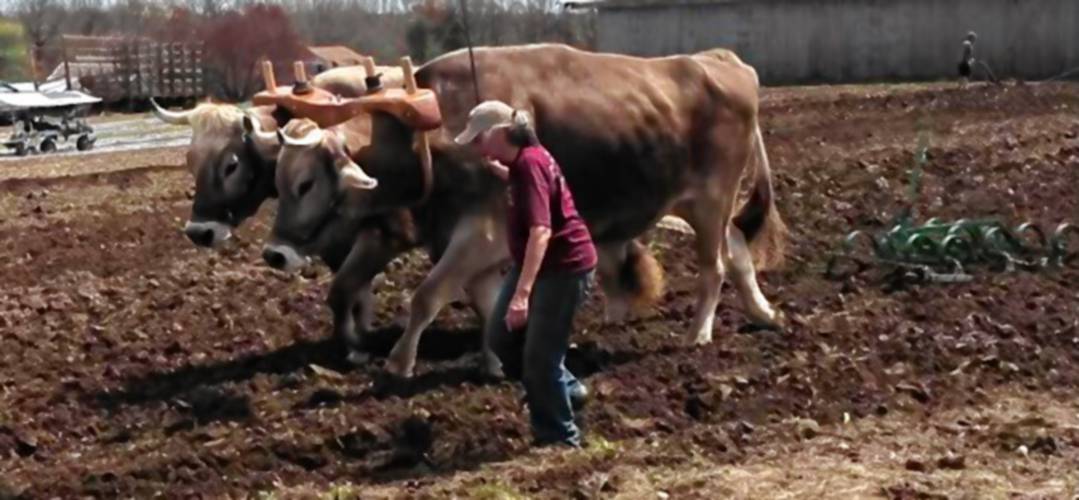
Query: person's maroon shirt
pixel 539 196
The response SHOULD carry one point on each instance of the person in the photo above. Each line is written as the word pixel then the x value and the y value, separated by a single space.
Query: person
pixel 966 62
pixel 554 261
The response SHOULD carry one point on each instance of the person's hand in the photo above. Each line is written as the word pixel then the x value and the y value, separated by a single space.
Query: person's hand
pixel 496 167
pixel 517 313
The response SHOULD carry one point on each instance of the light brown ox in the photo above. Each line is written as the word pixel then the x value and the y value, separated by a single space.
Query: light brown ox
pixel 233 163
pixel 637 138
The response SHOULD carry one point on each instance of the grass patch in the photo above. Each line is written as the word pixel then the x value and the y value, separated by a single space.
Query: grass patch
pixel 495 491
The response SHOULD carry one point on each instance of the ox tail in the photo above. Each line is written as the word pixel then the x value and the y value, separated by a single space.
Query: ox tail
pixel 758 219
pixel 641 276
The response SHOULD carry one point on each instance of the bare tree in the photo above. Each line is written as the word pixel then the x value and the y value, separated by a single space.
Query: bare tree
pixel 385 29
pixel 86 17
pixel 41 19
pixel 237 40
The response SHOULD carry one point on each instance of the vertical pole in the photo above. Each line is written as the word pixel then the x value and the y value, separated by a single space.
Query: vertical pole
pixel 409 74
pixel 67 69
pixel 159 87
pixel 172 69
pixel 33 65
pixel 299 73
pixel 268 79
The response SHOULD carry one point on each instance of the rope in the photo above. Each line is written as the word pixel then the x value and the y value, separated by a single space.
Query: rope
pixel 992 76
pixel 471 56
pixel 1063 75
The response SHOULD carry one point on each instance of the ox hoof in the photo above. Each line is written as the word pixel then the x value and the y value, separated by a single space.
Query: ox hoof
pixel 399 367
pixel 358 358
pixel 702 339
pixel 387 384
pixel 777 324
pixel 490 367
pixel 781 322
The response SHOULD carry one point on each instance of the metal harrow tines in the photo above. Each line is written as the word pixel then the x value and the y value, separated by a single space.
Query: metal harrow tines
pixel 943 251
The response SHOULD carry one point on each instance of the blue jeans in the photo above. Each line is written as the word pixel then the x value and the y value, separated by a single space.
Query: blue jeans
pixel 536 356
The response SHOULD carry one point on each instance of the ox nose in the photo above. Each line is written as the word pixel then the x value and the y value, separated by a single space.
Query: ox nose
pixel 201 236
pixel 274 258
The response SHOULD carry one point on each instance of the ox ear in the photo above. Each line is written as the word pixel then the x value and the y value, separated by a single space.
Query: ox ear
pixel 253 129
pixel 249 124
pixel 353 177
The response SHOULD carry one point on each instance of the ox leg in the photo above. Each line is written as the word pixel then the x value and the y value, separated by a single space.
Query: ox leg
pixel 363 308
pixel 611 258
pixel 744 276
pixel 483 291
pixel 401 319
pixel 351 298
pixel 709 213
pixel 471 250
pixel 710 225
pixel 363 318
pixel 350 303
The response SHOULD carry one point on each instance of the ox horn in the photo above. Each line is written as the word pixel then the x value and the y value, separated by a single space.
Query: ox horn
pixel 312 138
pixel 171 117
pixel 354 177
pixel 253 126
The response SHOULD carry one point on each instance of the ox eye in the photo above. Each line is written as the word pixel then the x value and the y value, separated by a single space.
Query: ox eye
pixel 305 186
pixel 233 164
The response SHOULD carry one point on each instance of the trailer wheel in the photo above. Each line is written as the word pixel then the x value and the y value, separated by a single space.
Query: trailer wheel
pixel 84 143
pixel 20 149
pixel 47 146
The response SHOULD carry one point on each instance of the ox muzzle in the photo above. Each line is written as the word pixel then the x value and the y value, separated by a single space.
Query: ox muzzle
pixel 209 234
pixel 284 257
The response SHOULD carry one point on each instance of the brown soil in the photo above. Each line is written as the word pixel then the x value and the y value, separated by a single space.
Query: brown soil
pixel 132 363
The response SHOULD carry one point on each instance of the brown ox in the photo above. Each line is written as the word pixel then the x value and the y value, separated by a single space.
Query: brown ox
pixel 637 139
pixel 234 163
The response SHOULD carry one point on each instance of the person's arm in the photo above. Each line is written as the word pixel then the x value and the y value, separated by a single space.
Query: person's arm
pixel 538 237
pixel 535 199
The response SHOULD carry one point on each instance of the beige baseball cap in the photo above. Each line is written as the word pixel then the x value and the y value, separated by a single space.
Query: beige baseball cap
pixel 485 116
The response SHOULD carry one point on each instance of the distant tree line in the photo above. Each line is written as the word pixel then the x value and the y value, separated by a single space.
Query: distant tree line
pixel 238 33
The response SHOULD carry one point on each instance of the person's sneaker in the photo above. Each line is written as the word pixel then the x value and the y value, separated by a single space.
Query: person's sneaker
pixel 560 444
pixel 578 397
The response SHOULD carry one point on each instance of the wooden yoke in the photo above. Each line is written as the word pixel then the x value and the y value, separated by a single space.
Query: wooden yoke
pixel 417 108
pixel 268 77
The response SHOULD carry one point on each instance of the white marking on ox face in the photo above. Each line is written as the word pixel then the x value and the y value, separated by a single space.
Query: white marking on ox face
pixel 676 224
pixel 207 233
pixel 284 257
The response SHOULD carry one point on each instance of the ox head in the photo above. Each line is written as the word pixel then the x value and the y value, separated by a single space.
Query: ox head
pixel 324 191
pixel 317 182
pixel 232 159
